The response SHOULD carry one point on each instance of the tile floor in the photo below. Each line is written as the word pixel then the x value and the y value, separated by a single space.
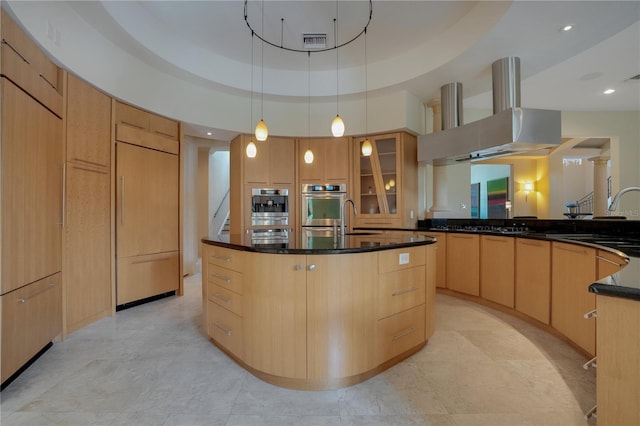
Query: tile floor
pixel 153 365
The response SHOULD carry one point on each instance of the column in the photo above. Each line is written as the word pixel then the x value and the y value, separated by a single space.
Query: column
pixel 600 175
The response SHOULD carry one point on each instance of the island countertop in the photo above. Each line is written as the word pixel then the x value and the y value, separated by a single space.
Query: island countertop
pixel 358 242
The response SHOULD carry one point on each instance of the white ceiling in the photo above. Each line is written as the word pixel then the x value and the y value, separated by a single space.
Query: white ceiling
pixel 416 46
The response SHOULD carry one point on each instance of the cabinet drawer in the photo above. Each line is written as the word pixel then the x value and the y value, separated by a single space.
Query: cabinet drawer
pixel 382 222
pixel 401 290
pixel 231 280
pixel 399 333
pixel 227 258
pixel 395 260
pixel 225 328
pixel 164 127
pixel 144 276
pixel 132 116
pixel 31 318
pixel 225 298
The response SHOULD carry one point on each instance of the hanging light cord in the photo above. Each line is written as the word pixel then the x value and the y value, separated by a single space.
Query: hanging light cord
pixel 262 71
pixel 366 88
pixel 335 35
pixel 309 94
pixel 251 118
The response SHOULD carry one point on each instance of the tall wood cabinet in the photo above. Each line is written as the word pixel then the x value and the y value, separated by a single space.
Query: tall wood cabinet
pixel 497 270
pixel 463 263
pixel 533 278
pixel 386 182
pixel 272 167
pixel 330 163
pixel 147 205
pixel 87 239
pixel 31 160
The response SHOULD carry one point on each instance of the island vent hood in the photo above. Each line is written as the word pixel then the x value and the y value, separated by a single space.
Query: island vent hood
pixel 510 130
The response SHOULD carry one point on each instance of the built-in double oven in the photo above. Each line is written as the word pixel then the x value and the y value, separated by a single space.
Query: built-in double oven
pixel 269 215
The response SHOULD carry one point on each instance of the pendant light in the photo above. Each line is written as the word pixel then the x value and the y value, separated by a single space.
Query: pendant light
pixel 337 125
pixel 367 149
pixel 308 154
pixel 251 150
pixel 262 131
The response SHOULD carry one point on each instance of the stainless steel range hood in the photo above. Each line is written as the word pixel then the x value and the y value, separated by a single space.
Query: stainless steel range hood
pixel 510 130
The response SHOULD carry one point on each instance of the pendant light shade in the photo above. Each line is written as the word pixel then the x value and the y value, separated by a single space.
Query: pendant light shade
pixel 337 126
pixel 367 149
pixel 262 131
pixel 308 156
pixel 251 150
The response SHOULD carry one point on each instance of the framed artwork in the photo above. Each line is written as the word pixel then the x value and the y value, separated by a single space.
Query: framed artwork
pixel 475 200
pixel 497 196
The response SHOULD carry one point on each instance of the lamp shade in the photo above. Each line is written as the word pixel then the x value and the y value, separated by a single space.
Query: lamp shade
pixel 337 126
pixel 308 156
pixel 251 150
pixel 262 131
pixel 366 149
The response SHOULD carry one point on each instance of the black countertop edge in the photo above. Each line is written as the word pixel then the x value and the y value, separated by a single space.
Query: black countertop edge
pixel 615 291
pixel 319 251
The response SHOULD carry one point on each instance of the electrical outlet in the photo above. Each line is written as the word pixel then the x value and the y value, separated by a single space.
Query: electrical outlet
pixel 403 258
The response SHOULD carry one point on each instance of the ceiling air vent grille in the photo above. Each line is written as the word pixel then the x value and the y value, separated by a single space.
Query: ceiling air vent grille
pixel 314 40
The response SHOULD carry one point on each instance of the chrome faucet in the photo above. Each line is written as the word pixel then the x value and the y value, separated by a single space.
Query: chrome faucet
pixel 616 199
pixel 343 214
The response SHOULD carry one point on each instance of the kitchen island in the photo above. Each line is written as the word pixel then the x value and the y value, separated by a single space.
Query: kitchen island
pixel 321 313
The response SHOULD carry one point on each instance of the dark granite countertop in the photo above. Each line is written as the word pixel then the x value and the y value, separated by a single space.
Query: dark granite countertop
pixel 321 244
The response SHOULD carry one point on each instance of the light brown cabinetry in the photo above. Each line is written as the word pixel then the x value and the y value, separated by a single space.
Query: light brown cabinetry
pixel 533 278
pixel 386 182
pixel 574 269
pixel 223 297
pixel 87 238
pixel 147 211
pixel 497 269
pixel 618 372
pixel 330 163
pixel 272 167
pixel 608 263
pixel 440 257
pixel 463 263
pixel 31 317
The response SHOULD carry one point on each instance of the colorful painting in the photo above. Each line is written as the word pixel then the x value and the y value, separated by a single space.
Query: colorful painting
pixel 475 200
pixel 497 196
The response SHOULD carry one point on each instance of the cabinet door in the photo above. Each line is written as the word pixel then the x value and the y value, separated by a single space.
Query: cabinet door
pixel 314 172
pixel 281 161
pixel 609 263
pixel 574 269
pixel 336 160
pixel 31 189
pixel 441 258
pixel 275 316
pixel 533 278
pixel 88 122
pixel 341 317
pixel 497 269
pixel 87 264
pixel 463 263
pixel 146 201
pixel 256 169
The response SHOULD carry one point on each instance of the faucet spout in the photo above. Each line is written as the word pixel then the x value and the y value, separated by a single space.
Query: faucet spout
pixel 616 199
pixel 343 214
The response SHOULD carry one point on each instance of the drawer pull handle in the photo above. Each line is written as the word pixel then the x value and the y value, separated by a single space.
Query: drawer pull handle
pixel 47 81
pixel 530 243
pixel 165 134
pixel 571 250
pixel 4 41
pixel 222 278
pixel 591 314
pixel 26 299
pixel 406 290
pixel 223 328
pixel 90 170
pixel 80 160
pixel 590 363
pixel 405 333
pixel 311 267
pixel 592 413
pixel 498 240
pixel 221 297
pixel 609 261
pixel 225 258
pixel 133 125
pixel 158 259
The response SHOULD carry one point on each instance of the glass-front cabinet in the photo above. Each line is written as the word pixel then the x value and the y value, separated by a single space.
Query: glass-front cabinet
pixel 380 175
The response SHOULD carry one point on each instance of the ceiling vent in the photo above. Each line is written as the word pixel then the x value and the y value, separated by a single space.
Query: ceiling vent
pixel 314 40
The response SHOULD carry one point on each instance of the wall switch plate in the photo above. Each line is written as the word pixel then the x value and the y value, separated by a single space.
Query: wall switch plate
pixel 403 258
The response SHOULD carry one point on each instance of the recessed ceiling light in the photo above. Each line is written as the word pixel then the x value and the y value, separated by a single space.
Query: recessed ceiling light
pixel 609 91
pixel 566 28
pixel 209 133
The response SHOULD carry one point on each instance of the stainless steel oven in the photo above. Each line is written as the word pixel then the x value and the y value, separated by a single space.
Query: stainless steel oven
pixel 321 204
pixel 269 207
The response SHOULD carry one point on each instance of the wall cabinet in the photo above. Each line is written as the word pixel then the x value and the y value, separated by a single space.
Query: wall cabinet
pixel 87 237
pixel 331 160
pixel 497 269
pixel 463 263
pixel 272 167
pixel 386 182
pixel 533 278
pixel 574 269
pixel 147 211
